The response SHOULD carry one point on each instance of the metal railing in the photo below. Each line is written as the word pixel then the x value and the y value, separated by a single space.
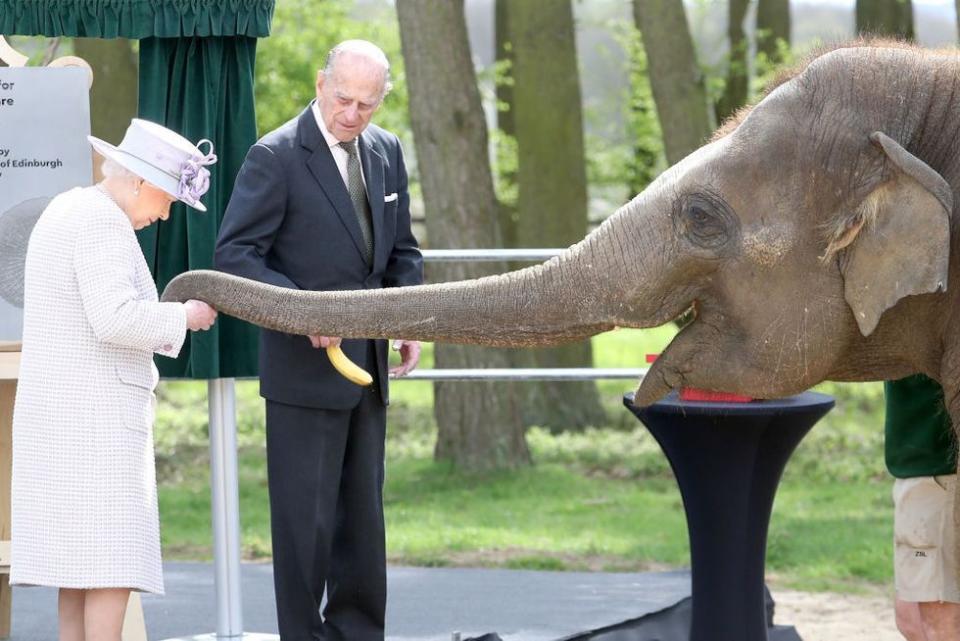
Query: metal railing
pixel 525 374
pixel 486 255
pixel 511 374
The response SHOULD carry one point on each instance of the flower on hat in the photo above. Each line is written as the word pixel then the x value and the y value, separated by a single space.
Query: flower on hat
pixel 194 175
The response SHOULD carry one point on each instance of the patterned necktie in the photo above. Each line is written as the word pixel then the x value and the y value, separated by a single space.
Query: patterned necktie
pixel 358 194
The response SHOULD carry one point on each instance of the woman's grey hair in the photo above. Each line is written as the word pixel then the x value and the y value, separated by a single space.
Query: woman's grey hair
pixel 363 48
pixel 113 169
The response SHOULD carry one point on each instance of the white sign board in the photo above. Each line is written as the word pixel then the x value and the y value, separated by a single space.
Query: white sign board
pixel 44 122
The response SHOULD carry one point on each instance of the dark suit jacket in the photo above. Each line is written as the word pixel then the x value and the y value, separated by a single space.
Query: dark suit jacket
pixel 290 222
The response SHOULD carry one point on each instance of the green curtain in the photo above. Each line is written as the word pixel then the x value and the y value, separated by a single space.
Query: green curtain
pixel 136 18
pixel 201 88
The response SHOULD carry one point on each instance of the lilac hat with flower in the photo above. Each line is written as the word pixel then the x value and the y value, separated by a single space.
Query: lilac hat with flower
pixel 164 159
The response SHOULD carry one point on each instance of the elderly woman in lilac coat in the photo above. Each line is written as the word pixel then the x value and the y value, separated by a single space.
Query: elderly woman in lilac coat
pixel 84 513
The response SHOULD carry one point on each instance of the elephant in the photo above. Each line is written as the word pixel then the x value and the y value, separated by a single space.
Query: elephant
pixel 810 237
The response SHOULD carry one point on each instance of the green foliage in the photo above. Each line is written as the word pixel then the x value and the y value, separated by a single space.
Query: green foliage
pixel 763 68
pixel 847 444
pixel 507 164
pixel 40 50
pixel 642 159
pixel 180 429
pixel 767 67
pixel 506 153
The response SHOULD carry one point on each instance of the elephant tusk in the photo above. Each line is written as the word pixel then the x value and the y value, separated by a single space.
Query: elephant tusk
pixel 350 370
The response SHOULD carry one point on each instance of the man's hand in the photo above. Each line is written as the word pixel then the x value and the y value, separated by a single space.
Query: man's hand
pixel 200 316
pixel 409 355
pixel 323 342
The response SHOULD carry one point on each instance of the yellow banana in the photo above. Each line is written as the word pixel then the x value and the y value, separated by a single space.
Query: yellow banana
pixel 350 370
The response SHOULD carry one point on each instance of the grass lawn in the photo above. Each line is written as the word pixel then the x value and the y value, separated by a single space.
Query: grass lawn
pixel 828 535
pixel 603 499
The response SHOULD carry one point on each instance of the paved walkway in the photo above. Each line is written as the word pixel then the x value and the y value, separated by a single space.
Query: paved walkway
pixel 425 604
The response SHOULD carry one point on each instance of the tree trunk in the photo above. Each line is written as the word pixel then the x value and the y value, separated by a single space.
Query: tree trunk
pixel 773 27
pixel 957 4
pixel 506 166
pixel 479 423
pixel 551 177
pixel 113 97
pixel 737 87
pixel 528 394
pixel 886 17
pixel 675 76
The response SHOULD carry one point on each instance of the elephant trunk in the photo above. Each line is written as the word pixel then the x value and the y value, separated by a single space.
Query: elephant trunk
pixel 613 277
pixel 546 304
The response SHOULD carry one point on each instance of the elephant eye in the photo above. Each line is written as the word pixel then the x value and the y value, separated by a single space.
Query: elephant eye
pixel 698 216
pixel 705 220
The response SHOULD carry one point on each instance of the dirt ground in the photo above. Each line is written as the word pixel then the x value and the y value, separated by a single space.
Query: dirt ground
pixel 824 616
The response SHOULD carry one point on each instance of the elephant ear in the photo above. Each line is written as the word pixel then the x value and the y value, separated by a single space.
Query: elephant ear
pixel 899 237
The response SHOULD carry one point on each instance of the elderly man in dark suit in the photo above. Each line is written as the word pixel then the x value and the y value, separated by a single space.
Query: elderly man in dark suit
pixel 321 203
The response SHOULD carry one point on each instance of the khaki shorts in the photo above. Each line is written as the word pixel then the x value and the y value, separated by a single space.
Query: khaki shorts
pixel 924 552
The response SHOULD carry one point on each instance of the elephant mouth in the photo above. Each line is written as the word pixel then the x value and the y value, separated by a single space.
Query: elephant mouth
pixel 689 315
pixel 673 368
pixel 687 322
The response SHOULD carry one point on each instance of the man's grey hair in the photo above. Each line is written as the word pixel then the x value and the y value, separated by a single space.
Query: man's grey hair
pixel 363 48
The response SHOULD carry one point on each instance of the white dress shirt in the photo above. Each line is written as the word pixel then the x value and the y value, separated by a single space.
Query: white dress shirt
pixel 340 155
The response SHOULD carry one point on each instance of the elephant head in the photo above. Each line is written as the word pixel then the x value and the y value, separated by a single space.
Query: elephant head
pixel 811 238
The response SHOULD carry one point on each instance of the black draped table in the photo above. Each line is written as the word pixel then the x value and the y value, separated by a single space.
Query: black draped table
pixel 728 459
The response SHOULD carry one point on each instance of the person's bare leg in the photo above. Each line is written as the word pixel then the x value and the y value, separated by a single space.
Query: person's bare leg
pixel 70 610
pixel 941 620
pixel 103 613
pixel 909 621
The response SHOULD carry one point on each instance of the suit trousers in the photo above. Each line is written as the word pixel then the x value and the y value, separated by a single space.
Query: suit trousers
pixel 325 474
